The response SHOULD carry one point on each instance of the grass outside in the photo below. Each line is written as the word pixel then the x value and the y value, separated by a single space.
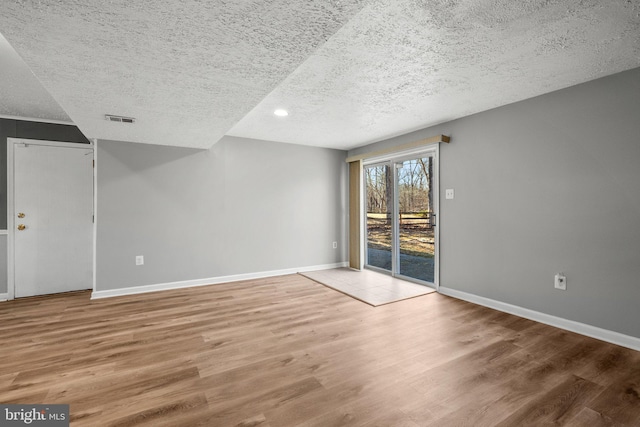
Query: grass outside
pixel 416 238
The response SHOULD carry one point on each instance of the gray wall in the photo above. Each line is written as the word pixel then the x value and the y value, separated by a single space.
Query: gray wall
pixel 244 206
pixel 547 185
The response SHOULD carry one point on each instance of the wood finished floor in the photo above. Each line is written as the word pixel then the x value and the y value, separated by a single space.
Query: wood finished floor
pixel 288 351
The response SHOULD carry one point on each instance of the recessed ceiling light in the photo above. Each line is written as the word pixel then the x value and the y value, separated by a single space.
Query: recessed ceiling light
pixel 281 113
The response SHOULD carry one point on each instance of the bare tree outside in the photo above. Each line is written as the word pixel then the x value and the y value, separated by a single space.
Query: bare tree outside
pixel 379 184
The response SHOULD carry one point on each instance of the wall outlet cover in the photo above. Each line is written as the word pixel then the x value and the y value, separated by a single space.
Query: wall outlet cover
pixel 449 193
pixel 560 282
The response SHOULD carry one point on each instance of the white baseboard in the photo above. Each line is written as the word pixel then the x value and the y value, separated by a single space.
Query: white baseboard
pixel 209 281
pixel 569 325
pixel 4 297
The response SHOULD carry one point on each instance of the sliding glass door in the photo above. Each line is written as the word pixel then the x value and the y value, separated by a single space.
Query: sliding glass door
pixel 400 202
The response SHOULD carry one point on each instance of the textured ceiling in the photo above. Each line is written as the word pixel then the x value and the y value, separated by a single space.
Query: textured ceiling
pixel 187 70
pixel 21 94
pixel 403 65
pixel 349 71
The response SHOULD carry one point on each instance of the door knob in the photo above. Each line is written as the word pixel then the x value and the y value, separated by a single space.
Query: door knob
pixel 21 215
pixel 21 227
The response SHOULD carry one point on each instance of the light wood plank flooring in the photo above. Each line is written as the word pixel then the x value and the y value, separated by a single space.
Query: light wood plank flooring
pixel 288 351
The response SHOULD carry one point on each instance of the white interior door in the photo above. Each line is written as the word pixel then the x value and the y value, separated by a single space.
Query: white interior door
pixel 53 219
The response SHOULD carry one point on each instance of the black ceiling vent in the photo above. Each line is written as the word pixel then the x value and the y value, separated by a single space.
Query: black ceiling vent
pixel 119 119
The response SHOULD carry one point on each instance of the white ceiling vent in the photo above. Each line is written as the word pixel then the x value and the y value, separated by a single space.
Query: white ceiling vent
pixel 119 119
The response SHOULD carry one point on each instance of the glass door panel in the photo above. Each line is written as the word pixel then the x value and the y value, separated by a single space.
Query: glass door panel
pixel 400 201
pixel 416 239
pixel 378 183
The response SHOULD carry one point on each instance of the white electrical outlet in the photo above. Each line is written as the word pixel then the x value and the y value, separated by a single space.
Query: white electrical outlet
pixel 335 245
pixel 448 194
pixel 560 282
pixel 139 260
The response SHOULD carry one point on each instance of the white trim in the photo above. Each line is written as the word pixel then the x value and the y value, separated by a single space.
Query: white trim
pixel 34 119
pixel 10 221
pixel 95 212
pixel 60 144
pixel 133 290
pixel 569 325
pixel 436 208
pixel 11 286
pixel 363 218
pixel 5 296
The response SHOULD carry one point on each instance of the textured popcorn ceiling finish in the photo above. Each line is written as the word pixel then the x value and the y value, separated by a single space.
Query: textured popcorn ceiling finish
pixel 403 65
pixel 187 70
pixel 349 71
pixel 21 94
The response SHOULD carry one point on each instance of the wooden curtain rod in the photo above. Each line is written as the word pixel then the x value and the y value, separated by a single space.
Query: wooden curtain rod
pixel 398 148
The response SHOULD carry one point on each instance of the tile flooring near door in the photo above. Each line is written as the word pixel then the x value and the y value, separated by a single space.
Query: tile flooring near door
pixel 368 286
